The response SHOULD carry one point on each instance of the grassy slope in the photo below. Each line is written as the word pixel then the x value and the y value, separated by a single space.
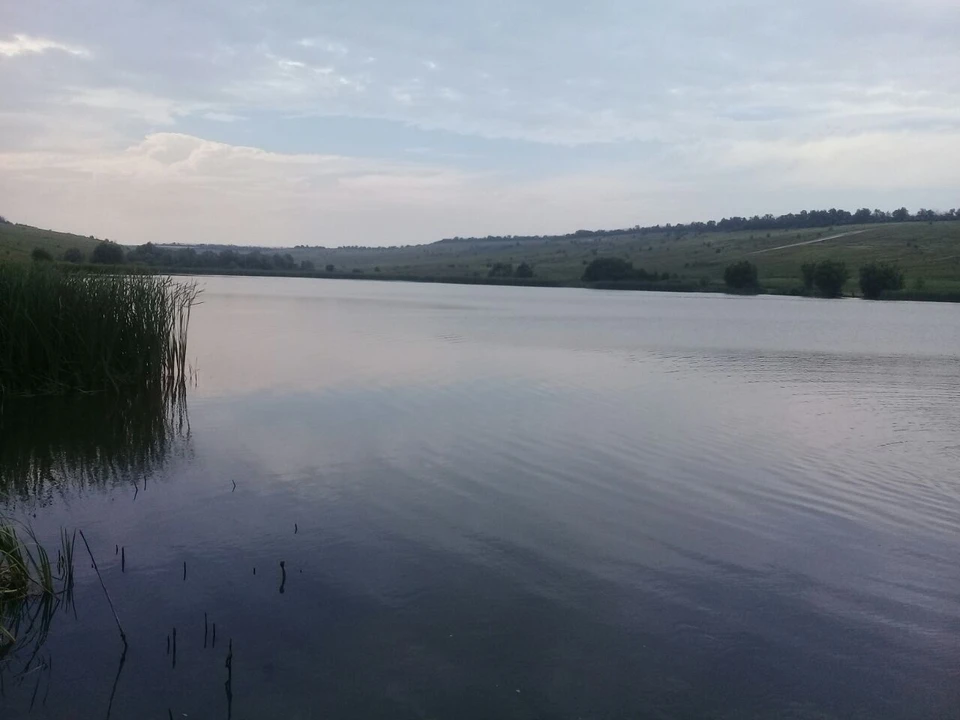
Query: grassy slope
pixel 927 251
pixel 18 241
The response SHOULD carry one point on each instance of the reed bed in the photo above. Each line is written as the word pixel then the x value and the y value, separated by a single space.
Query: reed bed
pixel 63 332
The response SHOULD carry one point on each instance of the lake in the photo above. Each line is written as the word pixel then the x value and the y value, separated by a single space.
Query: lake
pixel 520 503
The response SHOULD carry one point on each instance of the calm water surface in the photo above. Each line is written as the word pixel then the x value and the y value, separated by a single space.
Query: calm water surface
pixel 516 503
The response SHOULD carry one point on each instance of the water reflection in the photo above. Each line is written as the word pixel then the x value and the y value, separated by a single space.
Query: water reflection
pixel 49 446
pixel 407 501
pixel 56 448
pixel 26 625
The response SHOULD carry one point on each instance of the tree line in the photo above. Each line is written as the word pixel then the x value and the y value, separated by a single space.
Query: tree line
pixel 790 221
pixel 110 253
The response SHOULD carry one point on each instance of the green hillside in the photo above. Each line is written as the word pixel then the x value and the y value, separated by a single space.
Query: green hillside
pixel 928 253
pixel 18 241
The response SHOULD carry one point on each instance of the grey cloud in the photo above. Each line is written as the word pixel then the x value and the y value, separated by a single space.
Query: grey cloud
pixel 749 94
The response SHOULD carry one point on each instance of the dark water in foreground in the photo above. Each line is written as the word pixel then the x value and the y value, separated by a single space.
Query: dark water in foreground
pixel 516 503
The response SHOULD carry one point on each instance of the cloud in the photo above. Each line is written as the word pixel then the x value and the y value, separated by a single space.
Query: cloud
pixel 152 109
pixel 221 117
pixel 173 185
pixel 334 48
pixel 556 113
pixel 878 160
pixel 26 45
pixel 291 84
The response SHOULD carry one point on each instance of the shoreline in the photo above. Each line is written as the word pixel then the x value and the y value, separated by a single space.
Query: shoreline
pixel 619 286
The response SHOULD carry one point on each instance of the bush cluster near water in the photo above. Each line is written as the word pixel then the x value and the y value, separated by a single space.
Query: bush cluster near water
pixel 614 269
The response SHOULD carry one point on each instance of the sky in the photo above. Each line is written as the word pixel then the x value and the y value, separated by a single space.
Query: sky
pixel 393 122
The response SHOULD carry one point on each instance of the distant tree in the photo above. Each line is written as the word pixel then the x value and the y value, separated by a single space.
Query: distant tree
pixel 377 269
pixel 829 277
pixel 608 268
pixel 808 270
pixel 501 269
pixel 805 219
pixel 72 255
pixel 228 259
pixel 877 278
pixel 4 221
pixel 524 270
pixel 741 276
pixel 107 253
pixel 306 266
pixel 330 268
pixel 41 255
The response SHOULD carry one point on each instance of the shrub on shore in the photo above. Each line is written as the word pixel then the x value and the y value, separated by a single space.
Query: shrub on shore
pixel 107 253
pixel 830 277
pixel 878 278
pixel 827 276
pixel 741 276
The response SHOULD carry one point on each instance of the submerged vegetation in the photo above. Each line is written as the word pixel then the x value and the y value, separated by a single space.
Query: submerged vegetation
pixel 33 588
pixel 72 331
pixel 32 585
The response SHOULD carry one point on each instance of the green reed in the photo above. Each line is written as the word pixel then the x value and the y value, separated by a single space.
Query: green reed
pixel 64 332
pixel 29 580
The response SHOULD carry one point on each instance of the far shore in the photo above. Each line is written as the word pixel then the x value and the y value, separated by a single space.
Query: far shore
pixel 673 286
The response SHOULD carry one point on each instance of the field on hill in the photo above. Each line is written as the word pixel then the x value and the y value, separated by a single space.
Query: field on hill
pixel 18 241
pixel 928 253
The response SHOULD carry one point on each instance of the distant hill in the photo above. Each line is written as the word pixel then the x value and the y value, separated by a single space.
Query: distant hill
pixel 18 241
pixel 928 252
pixel 695 254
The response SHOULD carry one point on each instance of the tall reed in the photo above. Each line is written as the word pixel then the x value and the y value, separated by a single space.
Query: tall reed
pixel 66 332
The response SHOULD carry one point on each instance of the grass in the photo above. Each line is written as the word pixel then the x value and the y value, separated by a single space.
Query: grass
pixel 68 331
pixel 29 576
pixel 18 241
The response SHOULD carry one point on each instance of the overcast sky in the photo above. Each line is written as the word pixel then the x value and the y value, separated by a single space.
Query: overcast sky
pixel 382 122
